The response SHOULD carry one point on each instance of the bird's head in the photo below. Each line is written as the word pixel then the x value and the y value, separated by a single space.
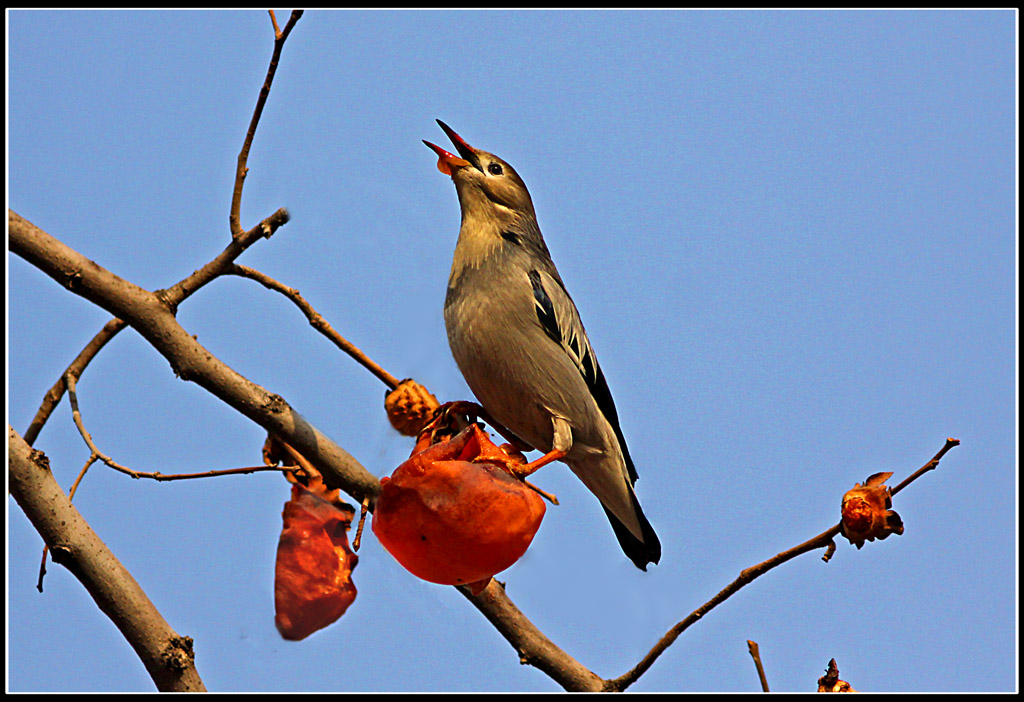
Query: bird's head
pixel 489 189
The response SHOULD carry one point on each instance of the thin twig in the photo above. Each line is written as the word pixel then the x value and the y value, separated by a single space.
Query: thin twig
pixel 71 496
pixel 301 463
pixel 235 219
pixel 173 296
pixel 755 653
pixel 549 496
pixel 316 321
pixel 745 577
pixel 81 474
pixel 822 540
pixel 69 381
pixel 245 470
pixel 163 477
pixel 363 509
pixel 52 397
pixel 42 569
pixel 930 465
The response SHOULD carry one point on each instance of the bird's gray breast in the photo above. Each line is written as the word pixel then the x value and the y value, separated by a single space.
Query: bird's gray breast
pixel 515 370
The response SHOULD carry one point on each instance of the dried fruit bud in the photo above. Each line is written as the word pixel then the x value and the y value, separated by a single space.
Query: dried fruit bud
pixel 866 513
pixel 830 681
pixel 410 407
pixel 453 513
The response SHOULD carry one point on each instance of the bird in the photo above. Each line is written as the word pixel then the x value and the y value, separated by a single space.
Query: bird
pixel 519 342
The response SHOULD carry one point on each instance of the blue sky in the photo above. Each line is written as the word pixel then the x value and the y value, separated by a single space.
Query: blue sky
pixel 792 239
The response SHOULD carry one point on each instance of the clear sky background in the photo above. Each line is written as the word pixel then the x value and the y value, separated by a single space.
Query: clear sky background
pixel 792 239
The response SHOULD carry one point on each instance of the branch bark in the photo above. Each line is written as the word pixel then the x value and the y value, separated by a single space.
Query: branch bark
pixel 150 315
pixel 533 646
pixel 167 656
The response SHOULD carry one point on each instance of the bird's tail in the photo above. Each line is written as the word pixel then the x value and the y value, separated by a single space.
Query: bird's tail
pixel 641 552
pixel 606 478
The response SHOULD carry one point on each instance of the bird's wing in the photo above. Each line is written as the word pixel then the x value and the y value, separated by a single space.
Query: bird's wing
pixel 560 320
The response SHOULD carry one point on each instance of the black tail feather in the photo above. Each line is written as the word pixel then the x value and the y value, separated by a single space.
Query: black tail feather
pixel 640 552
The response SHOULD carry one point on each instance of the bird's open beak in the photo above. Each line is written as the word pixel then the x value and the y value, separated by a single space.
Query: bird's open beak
pixel 465 150
pixel 446 161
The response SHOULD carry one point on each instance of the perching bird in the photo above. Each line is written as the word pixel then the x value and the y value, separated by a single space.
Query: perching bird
pixel 517 338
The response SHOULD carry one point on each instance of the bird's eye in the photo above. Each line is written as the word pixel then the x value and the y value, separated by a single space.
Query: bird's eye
pixel 494 169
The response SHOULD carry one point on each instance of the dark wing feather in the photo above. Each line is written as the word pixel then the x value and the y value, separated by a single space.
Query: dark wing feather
pixel 561 321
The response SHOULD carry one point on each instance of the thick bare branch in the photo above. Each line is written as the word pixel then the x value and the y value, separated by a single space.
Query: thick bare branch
pixel 154 319
pixel 174 296
pixel 533 646
pixel 72 542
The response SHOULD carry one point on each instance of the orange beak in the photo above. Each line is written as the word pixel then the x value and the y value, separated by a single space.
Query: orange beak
pixel 446 161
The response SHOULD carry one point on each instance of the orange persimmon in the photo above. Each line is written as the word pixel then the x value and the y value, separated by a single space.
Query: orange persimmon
pixel 453 513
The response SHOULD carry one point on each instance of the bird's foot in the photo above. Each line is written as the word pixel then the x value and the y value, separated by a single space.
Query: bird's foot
pixel 529 468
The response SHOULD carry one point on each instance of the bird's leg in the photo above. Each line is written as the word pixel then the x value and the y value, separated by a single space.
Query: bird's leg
pixel 528 468
pixel 561 443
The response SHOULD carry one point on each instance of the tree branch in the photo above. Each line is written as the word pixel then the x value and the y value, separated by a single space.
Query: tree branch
pixel 152 318
pixel 316 321
pixel 174 296
pixel 235 219
pixel 822 540
pixel 533 646
pixel 150 315
pixel 167 656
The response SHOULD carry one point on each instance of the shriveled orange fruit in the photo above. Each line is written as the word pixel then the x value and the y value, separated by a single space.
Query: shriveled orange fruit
pixel 313 574
pixel 453 513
